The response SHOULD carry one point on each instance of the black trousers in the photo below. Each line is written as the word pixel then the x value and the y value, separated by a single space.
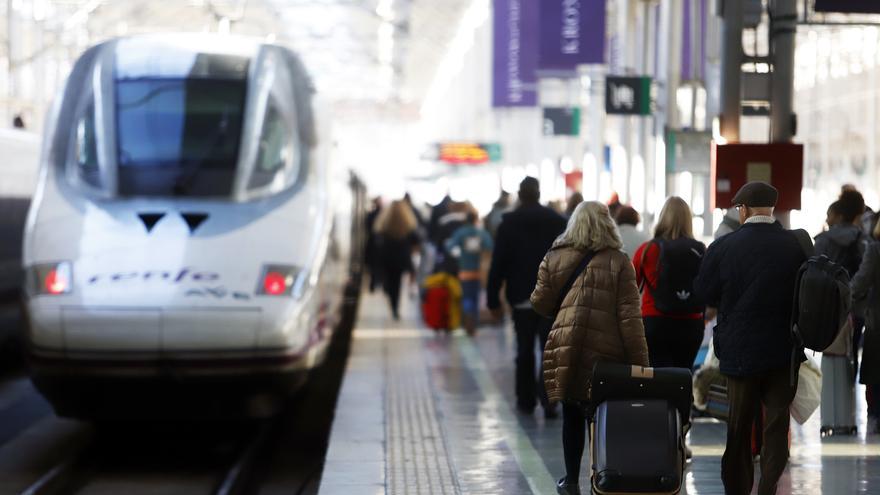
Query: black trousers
pixel 673 342
pixel 574 437
pixel 531 328
pixel 391 283
pixel 773 391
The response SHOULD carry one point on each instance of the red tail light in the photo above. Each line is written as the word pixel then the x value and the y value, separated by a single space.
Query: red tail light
pixel 56 282
pixel 279 280
pixel 50 278
pixel 275 284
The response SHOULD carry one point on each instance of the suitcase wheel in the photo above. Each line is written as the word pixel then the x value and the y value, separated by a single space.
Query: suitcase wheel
pixel 827 431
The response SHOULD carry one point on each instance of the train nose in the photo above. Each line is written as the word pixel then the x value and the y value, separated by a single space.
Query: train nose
pixel 153 330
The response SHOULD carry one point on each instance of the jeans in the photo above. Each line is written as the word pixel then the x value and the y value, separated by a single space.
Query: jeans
pixel 673 342
pixel 773 390
pixel 529 326
pixel 470 298
pixel 574 437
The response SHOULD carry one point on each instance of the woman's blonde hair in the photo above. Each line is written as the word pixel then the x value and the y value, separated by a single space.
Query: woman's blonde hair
pixel 397 221
pixel 591 227
pixel 675 221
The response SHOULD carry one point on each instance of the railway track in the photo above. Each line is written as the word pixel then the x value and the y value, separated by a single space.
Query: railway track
pixel 283 454
pixel 86 470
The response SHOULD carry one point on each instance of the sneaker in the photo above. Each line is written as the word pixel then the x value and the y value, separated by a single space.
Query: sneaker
pixel 563 488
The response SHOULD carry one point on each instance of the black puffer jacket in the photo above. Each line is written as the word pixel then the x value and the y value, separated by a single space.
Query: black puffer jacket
pixel 866 300
pixel 524 237
pixel 749 275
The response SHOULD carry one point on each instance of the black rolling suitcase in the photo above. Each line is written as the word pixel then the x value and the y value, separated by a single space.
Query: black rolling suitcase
pixel 638 429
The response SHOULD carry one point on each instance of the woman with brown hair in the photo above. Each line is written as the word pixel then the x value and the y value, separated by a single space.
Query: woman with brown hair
pixel 666 267
pixel 598 319
pixel 397 228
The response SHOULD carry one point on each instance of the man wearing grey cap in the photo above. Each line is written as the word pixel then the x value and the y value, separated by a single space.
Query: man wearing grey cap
pixel 749 275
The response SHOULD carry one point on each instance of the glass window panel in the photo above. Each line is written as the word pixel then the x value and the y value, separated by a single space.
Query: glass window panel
pixel 178 137
pixel 275 150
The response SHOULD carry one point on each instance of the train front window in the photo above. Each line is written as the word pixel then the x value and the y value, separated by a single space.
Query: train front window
pixel 178 137
pixel 275 149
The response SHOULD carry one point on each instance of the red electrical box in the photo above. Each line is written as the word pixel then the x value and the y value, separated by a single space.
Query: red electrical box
pixel 780 164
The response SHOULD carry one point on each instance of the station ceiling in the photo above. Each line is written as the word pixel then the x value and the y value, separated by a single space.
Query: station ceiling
pixel 361 50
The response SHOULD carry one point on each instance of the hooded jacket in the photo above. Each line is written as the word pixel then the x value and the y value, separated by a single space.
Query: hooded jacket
pixel 599 319
pixel 523 238
pixel 844 244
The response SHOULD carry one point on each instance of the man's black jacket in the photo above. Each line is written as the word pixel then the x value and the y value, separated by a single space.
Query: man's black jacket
pixel 524 237
pixel 749 275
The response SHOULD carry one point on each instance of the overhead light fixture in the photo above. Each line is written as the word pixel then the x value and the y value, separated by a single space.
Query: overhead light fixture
pixel 385 10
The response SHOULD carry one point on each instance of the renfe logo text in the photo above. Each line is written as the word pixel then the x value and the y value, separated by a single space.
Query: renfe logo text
pixel 175 277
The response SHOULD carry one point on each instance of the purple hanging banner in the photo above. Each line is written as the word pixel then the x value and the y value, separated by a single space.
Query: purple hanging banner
pixel 572 33
pixel 515 53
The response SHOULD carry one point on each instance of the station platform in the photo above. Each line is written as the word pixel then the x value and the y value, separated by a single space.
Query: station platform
pixel 427 413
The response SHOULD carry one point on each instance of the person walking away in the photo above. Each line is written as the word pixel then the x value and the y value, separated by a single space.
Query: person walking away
pixel 665 269
pixel 845 243
pixel 499 208
pixel 614 204
pixel 708 371
pixel 729 223
pixel 398 231
pixel 437 211
pixel 749 275
pixel 524 236
pixel 468 243
pixel 597 320
pixel 371 255
pixel 415 210
pixel 866 302
pixel 627 220
pixel 574 200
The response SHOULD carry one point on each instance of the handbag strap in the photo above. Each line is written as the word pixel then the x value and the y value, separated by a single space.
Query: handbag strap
pixel 570 282
pixel 645 285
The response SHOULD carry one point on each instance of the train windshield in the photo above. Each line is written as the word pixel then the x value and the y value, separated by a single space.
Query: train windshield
pixel 178 137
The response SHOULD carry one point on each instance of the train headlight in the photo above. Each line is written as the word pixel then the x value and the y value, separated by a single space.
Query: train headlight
pixel 280 280
pixel 51 279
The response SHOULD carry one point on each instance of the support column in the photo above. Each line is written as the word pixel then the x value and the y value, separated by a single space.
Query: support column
pixel 646 28
pixel 731 68
pixel 783 28
pixel 10 67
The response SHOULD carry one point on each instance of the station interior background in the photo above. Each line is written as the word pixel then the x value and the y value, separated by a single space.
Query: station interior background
pixel 399 76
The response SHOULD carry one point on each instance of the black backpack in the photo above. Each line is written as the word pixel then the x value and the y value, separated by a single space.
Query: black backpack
pixel 821 302
pixel 679 265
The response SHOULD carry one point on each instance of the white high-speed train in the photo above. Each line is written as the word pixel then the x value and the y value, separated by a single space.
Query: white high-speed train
pixel 188 222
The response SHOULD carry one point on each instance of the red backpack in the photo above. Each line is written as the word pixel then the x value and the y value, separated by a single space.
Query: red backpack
pixel 435 307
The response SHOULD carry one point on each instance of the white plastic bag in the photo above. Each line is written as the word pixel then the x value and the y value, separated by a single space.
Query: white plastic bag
pixel 809 392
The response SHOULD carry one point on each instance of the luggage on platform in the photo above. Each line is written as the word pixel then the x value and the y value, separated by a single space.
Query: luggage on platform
pixel 637 447
pixel 717 402
pixel 441 301
pixel 838 407
pixel 638 428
